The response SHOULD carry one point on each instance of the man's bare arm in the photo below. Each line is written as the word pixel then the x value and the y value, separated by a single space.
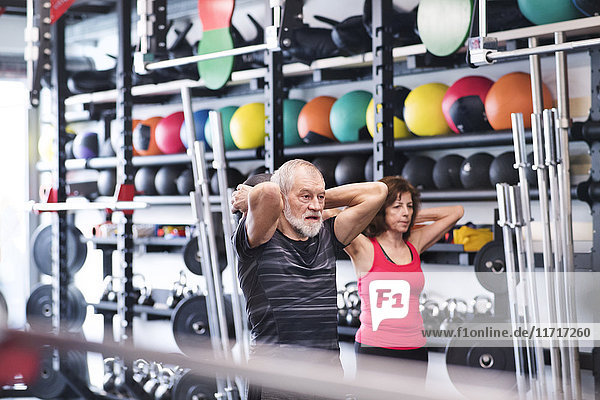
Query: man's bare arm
pixel 264 208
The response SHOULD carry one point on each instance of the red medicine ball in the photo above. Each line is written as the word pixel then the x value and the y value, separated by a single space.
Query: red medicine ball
pixel 464 104
pixel 167 135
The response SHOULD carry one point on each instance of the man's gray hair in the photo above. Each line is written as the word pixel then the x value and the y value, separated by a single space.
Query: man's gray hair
pixel 284 176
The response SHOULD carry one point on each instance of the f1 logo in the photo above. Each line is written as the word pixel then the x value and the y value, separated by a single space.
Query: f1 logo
pixel 389 300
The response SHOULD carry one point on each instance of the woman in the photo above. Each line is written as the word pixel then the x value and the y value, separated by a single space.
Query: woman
pixel 386 258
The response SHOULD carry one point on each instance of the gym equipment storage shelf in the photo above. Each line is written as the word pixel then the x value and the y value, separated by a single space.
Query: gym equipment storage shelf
pixel 147 312
pixel 581 26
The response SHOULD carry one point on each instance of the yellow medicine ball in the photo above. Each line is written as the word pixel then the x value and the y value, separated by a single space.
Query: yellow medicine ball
pixel 400 129
pixel 423 110
pixel 247 126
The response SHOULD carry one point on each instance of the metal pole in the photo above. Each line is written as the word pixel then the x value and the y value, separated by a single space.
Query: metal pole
pixel 482 18
pixel 552 48
pixel 525 253
pixel 542 165
pixel 504 213
pixel 220 165
pixel 516 222
pixel 564 184
pixel 196 154
pixel 536 128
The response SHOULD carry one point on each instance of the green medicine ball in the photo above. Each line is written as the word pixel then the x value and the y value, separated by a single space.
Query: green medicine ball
pixel 291 110
pixel 347 116
pixel 548 11
pixel 226 114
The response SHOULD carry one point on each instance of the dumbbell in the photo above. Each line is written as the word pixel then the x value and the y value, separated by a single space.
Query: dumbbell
pixel 482 306
pixel 432 316
pixel 143 292
pixel 456 310
pixel 166 380
pixel 180 291
pixel 108 383
pixel 352 300
pixel 141 371
pixel 342 309
pixel 153 383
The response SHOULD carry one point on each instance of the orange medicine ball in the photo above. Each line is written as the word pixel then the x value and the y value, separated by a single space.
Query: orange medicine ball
pixel 313 120
pixel 512 94
pixel 144 141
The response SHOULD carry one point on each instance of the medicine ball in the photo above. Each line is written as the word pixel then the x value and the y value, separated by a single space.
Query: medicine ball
pixel 475 171
pixel 326 165
pixel 400 129
pixel 291 111
pixel 502 169
pixel 167 134
pixel 116 134
pixel 588 7
pixel 165 180
pixel 144 181
pixel 399 161
pixel 423 110
pixel 350 169
pixel 418 170
pixel 106 149
pixel 226 114
pixel 313 121
pixel 248 126
pixel 143 137
pixel 463 104
pixel 185 182
pixel 107 180
pixel 234 178
pixel 85 145
pixel 512 94
pixel 200 118
pixel 530 174
pixel 446 172
pixel 542 12
pixel 346 116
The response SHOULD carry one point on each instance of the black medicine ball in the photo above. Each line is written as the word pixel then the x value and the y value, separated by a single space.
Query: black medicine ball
pixel 327 167
pixel 475 171
pixel 502 169
pixel 446 172
pixel 144 181
pixel 419 172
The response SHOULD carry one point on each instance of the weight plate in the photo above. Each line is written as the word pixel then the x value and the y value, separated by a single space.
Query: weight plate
pixel 490 267
pixel 39 309
pixel 494 366
pixel 190 323
pixel 191 386
pixel 42 249
pixel 51 384
pixel 193 263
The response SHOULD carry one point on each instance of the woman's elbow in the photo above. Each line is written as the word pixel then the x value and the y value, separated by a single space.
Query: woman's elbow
pixel 460 212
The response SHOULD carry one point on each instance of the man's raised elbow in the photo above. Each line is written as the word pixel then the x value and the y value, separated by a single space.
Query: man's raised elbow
pixel 266 193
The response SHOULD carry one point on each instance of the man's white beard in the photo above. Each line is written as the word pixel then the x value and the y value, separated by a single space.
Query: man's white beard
pixel 300 226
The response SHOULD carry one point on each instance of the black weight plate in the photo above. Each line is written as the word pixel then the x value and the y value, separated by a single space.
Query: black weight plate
pixel 42 249
pixel 190 323
pixel 51 384
pixel 39 309
pixel 490 267
pixel 191 386
pixel 192 263
pixel 494 366
pixel 189 256
pixel 3 312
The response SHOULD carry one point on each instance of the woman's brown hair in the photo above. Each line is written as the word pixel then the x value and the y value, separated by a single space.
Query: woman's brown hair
pixel 396 186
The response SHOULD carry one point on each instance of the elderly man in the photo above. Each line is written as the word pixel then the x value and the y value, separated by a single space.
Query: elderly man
pixel 287 254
